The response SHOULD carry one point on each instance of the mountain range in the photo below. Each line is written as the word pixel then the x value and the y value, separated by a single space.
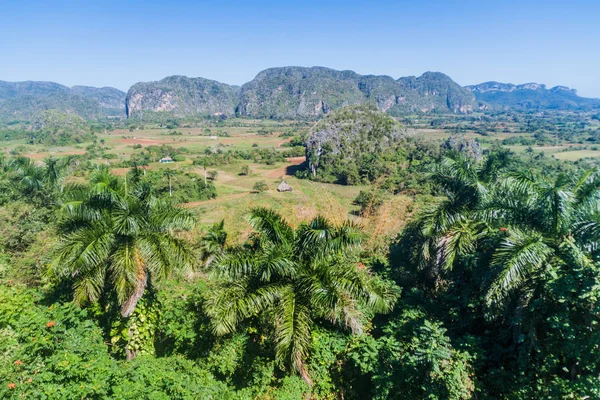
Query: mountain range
pixel 286 92
pixel 24 101
pixel 531 96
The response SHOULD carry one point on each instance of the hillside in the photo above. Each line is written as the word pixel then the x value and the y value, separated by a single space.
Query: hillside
pixel 298 92
pixel 530 96
pixel 283 93
pixel 25 101
pixel 109 98
pixel 182 96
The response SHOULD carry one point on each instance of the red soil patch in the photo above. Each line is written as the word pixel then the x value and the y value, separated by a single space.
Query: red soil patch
pixel 279 172
pixel 296 160
pixel 283 142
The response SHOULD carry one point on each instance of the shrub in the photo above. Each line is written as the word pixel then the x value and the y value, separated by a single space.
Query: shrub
pixel 260 186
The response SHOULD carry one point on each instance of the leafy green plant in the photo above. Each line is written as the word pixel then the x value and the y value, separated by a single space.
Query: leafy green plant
pixel 295 276
pixel 260 186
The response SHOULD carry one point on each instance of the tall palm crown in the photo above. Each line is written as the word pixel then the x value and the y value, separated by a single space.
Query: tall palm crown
pixel 117 237
pixel 300 275
pixel 522 223
pixel 23 178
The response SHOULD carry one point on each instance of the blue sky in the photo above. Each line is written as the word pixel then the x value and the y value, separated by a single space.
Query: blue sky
pixel 118 43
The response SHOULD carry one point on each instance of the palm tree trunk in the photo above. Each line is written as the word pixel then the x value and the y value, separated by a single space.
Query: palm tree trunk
pixel 129 306
pixel 170 191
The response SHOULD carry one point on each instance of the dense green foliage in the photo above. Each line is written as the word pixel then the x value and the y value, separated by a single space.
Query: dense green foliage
pixel 359 144
pixel 489 290
pixel 509 261
pixel 298 275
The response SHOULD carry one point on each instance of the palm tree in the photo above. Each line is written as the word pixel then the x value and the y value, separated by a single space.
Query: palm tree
pixel 529 150
pixel 520 222
pixel 543 223
pixel 213 243
pixel 443 232
pixel 54 170
pixel 169 174
pixel 295 277
pixel 118 240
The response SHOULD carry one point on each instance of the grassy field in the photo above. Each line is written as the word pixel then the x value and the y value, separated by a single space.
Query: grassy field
pixel 577 154
pixel 235 194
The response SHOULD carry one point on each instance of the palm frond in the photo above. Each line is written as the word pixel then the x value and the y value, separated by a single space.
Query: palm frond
pixel 272 225
pixel 293 332
pixel 518 256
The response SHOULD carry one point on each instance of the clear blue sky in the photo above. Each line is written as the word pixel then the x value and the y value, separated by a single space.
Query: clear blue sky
pixel 118 43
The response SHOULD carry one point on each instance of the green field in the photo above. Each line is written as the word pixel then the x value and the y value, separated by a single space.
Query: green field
pixel 235 194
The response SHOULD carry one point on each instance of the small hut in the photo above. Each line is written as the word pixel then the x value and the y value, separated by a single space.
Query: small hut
pixel 284 187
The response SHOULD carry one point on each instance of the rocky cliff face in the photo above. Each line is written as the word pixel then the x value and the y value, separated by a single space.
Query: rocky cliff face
pixel 25 101
pixel 182 96
pixel 293 92
pixel 350 131
pixel 298 92
pixel 530 96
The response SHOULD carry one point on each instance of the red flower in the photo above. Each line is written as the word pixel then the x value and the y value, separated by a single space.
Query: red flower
pixel 50 324
pixel 18 362
pixel 361 265
pixel 12 385
pixel 503 229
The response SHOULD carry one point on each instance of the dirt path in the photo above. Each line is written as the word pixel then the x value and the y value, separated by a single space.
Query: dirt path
pixel 279 172
pixel 283 142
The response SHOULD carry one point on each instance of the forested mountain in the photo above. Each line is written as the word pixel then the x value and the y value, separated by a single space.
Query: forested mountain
pixel 292 92
pixel 24 101
pixel 182 96
pixel 109 98
pixel 286 92
pixel 530 96
pixel 298 92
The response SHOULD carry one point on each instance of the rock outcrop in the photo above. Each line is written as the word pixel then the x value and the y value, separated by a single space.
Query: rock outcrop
pixel 298 92
pixel 182 96
pixel 350 138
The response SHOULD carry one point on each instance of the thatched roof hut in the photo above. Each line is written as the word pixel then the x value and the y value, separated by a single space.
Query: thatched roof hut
pixel 284 187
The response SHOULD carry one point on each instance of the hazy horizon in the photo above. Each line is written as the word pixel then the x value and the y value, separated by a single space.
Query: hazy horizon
pixel 118 44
